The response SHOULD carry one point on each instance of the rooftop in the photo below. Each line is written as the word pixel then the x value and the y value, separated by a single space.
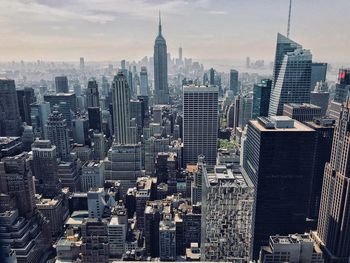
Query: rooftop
pixel 302 106
pixel 229 176
pixel 272 125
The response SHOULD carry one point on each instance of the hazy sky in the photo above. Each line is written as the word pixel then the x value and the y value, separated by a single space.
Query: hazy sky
pixel 206 29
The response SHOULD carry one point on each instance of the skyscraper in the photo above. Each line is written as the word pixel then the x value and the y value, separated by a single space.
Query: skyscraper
pixel 261 98
pixel 320 96
pixel 123 161
pixel 227 215
pixel 45 168
pixel 92 95
pixel 180 54
pixel 211 76
pixel 318 74
pixel 66 102
pixel 234 81
pixel 25 97
pixel 293 82
pixel 61 83
pixel 284 45
pixel 82 64
pixel 143 82
pixel 333 230
pixel 160 68
pixel 200 123
pixel 10 119
pixel 279 157
pixel 23 229
pixel 245 110
pixel 343 86
pixel 57 133
pixel 121 108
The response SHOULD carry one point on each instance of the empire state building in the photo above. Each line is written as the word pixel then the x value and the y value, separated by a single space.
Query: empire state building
pixel 160 68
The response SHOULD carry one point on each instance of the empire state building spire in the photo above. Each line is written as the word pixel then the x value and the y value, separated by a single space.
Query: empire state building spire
pixel 160 25
pixel 161 95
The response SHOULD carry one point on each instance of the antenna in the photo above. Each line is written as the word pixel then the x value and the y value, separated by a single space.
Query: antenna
pixel 289 16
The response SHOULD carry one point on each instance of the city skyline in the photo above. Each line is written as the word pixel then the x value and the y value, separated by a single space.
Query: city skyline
pixel 47 30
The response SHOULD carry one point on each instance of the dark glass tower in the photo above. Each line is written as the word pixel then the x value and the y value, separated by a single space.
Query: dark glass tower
pixel 278 157
pixel 10 119
pixel 161 68
pixel 61 83
pixel 234 81
pixel 261 98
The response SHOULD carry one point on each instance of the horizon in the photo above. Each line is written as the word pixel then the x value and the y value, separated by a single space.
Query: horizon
pixel 50 31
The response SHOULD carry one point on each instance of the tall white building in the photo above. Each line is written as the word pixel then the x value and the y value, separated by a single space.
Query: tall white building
pixel 227 215
pixel 117 229
pixel 200 123
pixel 92 175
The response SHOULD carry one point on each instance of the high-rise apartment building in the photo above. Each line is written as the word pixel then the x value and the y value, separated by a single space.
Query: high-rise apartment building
pixel 227 215
pixel 333 229
pixel 161 88
pixel 200 123
pixel 10 118
pixel 94 236
pixel 167 239
pixel 279 156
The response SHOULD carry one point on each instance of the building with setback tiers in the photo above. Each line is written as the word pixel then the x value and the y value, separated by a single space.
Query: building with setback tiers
pixel 333 229
pixel 160 57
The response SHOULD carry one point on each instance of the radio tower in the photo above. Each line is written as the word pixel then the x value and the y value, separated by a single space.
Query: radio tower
pixel 290 12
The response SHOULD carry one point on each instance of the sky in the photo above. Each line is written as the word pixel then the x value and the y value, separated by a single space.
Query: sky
pixel 220 30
